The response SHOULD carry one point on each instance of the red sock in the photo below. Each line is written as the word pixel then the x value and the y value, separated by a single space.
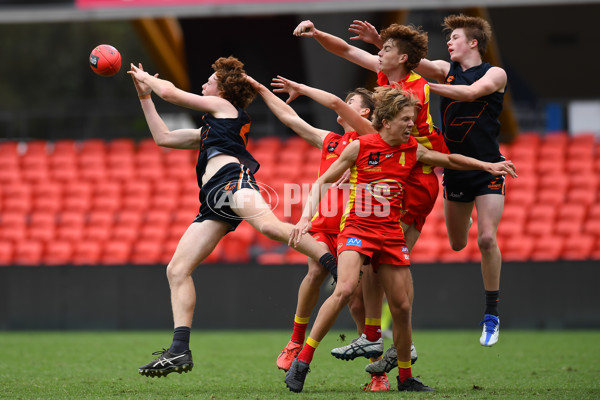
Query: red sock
pixel 373 329
pixel 404 371
pixel 300 325
pixel 308 350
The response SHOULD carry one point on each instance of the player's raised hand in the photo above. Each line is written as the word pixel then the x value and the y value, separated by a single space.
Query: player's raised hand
pixel 365 31
pixel 305 28
pixel 283 85
pixel 138 74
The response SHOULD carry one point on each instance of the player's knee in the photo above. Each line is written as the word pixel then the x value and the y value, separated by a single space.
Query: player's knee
pixel 486 242
pixel 343 293
pixel 457 244
pixel 316 276
pixel 175 274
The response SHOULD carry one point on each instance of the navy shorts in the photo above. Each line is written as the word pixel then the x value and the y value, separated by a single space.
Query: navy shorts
pixel 465 190
pixel 216 195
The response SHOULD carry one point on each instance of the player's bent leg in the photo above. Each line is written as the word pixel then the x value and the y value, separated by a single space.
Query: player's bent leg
pixel 251 206
pixel 457 215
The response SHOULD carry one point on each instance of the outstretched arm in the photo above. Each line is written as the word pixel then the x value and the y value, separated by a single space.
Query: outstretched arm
pixel 288 116
pixel 464 163
pixel 345 161
pixel 329 100
pixel 166 90
pixel 494 80
pixel 435 70
pixel 178 139
pixel 338 46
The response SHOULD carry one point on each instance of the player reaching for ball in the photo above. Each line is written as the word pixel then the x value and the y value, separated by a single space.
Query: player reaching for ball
pixel 228 191
pixel 402 47
pixel 380 163
pixel 326 223
pixel 472 96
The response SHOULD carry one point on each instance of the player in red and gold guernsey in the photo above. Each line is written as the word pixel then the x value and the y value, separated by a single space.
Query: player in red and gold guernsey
pixel 380 164
pixel 402 47
pixel 326 222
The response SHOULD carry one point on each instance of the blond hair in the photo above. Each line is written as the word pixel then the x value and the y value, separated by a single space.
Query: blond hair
pixel 389 102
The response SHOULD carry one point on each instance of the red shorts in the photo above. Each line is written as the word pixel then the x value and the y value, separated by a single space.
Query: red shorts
pixel 381 247
pixel 420 194
pixel 330 239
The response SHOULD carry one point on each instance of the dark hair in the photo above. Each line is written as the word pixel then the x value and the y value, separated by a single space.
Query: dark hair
pixel 232 82
pixel 409 40
pixel 366 99
pixel 474 27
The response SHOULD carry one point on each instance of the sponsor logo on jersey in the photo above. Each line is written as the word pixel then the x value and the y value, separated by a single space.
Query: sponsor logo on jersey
pixel 331 146
pixel 354 242
pixel 373 158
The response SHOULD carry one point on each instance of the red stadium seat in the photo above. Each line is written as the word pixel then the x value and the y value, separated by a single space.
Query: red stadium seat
pixel 121 145
pixel 116 252
pixel 28 252
pixel 426 250
pixel 578 247
pixel 147 252
pixel 101 218
pixel 270 258
pixel 57 253
pixel 6 252
pixel 585 196
pixel 295 257
pixel 235 250
pixel 125 233
pixel 64 146
pixel 13 225
pixel 72 218
pixel 516 248
pixel 547 248
pixel 130 217
pixel 86 252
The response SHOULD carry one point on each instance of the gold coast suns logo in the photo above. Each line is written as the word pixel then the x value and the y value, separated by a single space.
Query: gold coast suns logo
pixel 385 188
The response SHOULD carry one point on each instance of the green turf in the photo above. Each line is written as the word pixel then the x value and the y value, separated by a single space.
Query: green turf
pixel 241 365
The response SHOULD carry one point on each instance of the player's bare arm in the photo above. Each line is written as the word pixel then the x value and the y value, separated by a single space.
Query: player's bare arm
pixel 217 106
pixel 493 81
pixel 464 163
pixel 318 189
pixel 288 116
pixel 338 46
pixel 329 100
pixel 434 70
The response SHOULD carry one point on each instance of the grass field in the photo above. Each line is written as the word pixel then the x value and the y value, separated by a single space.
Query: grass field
pixel 241 365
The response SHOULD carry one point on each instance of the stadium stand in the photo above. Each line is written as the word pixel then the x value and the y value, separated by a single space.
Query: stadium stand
pixel 125 202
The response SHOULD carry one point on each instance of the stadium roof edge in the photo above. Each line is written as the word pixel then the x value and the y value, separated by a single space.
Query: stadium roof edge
pixel 61 13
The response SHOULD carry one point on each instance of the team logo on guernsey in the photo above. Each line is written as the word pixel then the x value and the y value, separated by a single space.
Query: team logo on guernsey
pixel 450 79
pixel 331 146
pixel 404 249
pixel 385 188
pixel 354 242
pixel 373 158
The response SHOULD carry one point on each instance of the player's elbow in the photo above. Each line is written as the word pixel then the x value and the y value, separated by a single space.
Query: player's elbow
pixel 168 93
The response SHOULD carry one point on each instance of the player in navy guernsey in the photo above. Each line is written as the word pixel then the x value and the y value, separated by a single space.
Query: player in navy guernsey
pixel 472 93
pixel 228 191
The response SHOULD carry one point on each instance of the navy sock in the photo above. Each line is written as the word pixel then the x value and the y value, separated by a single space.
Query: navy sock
pixel 181 340
pixel 329 262
pixel 491 302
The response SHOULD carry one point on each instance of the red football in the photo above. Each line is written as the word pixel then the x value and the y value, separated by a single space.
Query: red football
pixel 105 60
